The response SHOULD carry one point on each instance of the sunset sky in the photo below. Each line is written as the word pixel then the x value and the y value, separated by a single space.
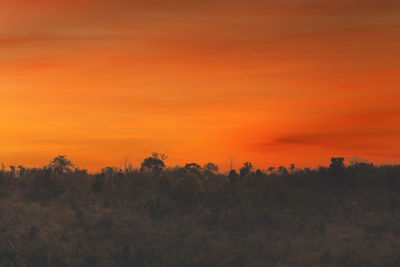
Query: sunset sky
pixel 266 81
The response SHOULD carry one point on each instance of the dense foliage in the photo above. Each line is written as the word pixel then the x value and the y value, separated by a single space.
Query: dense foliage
pixel 195 216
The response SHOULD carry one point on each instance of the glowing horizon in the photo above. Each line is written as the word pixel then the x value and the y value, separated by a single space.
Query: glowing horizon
pixel 269 82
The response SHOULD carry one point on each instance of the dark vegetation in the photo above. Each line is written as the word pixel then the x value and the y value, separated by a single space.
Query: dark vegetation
pixel 195 216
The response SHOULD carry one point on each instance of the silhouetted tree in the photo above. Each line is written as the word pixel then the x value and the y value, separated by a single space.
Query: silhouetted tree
pixel 61 165
pixel 193 168
pixel 128 169
pixel 109 172
pixel 282 170
pixel 271 170
pixel 12 167
pixel 337 164
pixel 292 168
pixel 154 164
pixel 210 168
pixel 21 170
pixel 246 169
pixel 233 176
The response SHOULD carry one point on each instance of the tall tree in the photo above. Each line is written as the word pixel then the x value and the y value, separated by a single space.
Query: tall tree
pixel 154 164
pixel 61 165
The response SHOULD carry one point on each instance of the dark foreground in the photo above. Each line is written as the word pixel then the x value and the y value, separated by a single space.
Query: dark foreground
pixel 195 217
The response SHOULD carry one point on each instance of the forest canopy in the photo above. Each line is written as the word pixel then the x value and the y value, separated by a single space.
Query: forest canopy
pixel 60 215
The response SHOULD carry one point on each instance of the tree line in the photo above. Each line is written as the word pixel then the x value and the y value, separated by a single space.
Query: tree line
pixel 193 215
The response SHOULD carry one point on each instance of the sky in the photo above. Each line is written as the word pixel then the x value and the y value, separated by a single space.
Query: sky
pixel 266 81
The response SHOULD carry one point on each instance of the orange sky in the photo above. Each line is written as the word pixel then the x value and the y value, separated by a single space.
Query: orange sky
pixel 272 82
